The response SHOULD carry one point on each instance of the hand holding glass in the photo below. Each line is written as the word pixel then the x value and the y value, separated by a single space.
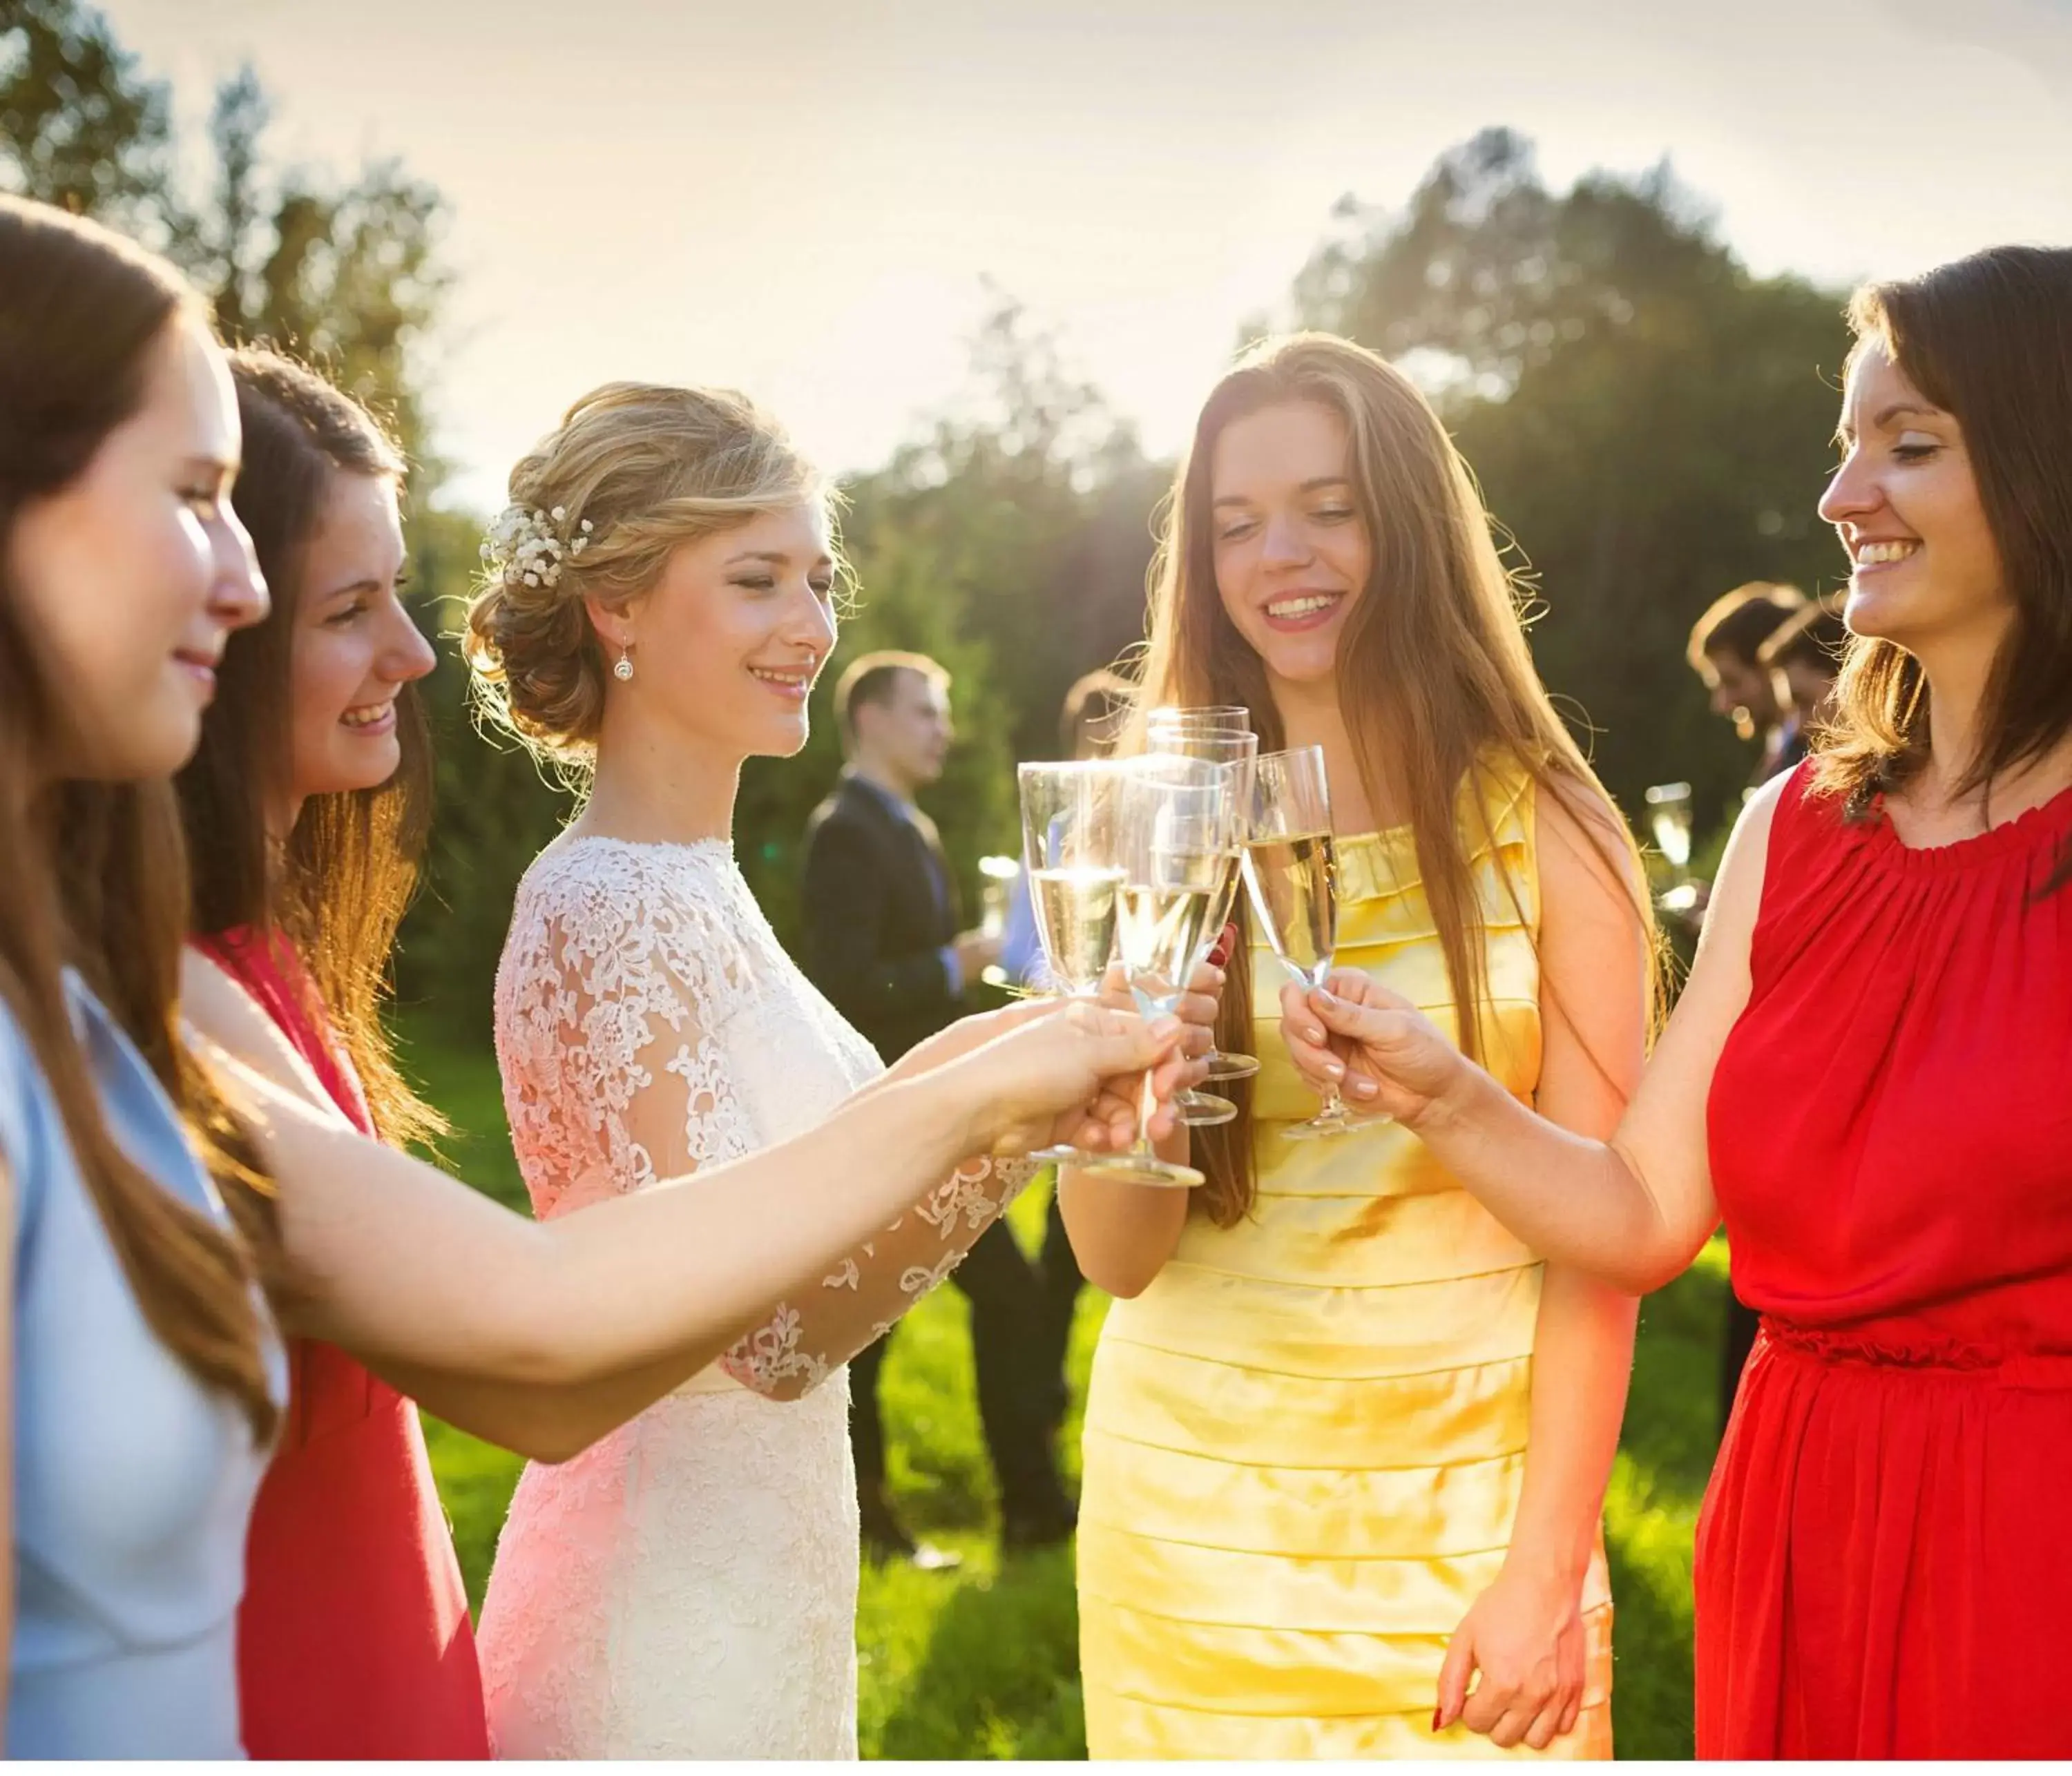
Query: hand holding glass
pixel 1291 868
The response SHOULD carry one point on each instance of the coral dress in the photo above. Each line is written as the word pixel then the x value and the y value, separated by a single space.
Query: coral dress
pixel 1304 1441
pixel 1885 1558
pixel 353 1639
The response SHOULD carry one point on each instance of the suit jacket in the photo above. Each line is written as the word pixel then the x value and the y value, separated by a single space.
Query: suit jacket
pixel 875 928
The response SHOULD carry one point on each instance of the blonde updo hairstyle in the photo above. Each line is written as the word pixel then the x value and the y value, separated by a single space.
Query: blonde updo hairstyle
pixel 633 470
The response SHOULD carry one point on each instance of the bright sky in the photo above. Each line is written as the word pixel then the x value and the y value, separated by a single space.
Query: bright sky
pixel 805 200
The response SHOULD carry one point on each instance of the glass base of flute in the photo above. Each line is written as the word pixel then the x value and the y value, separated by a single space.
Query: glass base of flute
pixel 1205 1109
pixel 1141 1165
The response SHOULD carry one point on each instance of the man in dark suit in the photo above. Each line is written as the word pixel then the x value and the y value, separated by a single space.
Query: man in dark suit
pixel 881 919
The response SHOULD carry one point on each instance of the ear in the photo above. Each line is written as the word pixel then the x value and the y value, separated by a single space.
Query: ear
pixel 614 624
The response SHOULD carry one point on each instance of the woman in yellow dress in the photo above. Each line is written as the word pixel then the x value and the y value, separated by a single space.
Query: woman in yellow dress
pixel 1348 1440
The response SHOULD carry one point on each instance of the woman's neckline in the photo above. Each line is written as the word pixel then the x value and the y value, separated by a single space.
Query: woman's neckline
pixel 570 840
pixel 2008 837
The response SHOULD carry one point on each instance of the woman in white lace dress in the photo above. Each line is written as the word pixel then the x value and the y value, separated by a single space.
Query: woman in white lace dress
pixel 661 599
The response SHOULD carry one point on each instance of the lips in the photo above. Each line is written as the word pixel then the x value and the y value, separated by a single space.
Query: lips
pixel 1870 553
pixel 199 664
pixel 794 684
pixel 370 718
pixel 1305 607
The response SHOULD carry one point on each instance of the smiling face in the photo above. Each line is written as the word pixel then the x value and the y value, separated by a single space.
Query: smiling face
pixel 1291 552
pixel 355 646
pixel 132 576
pixel 1926 570
pixel 727 644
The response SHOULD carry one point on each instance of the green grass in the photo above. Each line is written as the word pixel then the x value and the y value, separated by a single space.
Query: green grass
pixel 983 1662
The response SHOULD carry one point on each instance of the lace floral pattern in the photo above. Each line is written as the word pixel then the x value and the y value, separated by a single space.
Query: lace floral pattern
pixel 687 1586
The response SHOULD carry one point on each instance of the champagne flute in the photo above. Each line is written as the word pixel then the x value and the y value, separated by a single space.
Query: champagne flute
pixel 1291 868
pixel 1069 847
pixel 1177 820
pixel 1234 752
pixel 1233 716
pixel 1669 816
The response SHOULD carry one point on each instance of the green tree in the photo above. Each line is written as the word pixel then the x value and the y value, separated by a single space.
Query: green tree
pixel 346 273
pixel 80 127
pixel 1648 420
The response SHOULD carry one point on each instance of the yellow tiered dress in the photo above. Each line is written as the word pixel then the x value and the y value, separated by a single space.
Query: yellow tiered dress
pixel 1304 1441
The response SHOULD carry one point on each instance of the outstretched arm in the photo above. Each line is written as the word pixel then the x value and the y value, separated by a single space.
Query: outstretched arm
pixel 542 1337
pixel 1633 1211
pixel 412 1272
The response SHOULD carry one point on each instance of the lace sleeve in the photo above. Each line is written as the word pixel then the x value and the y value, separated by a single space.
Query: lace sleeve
pixel 623 984
pixel 802 1344
pixel 607 1000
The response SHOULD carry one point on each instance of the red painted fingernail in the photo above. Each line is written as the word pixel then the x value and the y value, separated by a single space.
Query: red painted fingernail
pixel 1436 1714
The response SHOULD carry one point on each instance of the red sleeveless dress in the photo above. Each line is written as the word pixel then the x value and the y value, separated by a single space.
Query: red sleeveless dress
pixel 1884 1556
pixel 353 1637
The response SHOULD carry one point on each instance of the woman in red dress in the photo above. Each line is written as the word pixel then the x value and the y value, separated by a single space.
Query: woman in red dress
pixel 353 1640
pixel 1870 1076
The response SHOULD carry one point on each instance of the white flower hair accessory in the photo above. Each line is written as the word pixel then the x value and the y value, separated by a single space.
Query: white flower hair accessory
pixel 527 547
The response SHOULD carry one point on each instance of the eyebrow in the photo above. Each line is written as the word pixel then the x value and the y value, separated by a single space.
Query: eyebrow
pixel 367 582
pixel 775 558
pixel 1884 416
pixel 1315 484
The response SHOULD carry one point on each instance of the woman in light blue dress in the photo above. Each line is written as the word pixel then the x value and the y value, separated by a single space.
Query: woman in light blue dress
pixel 147 1376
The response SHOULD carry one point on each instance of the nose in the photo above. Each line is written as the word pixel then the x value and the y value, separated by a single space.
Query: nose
pixel 237 594
pixel 1283 543
pixel 405 655
pixel 812 625
pixel 1853 494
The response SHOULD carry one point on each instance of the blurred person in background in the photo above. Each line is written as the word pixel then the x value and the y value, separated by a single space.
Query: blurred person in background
pixel 1094 710
pixel 1725 651
pixel 1805 655
pixel 881 915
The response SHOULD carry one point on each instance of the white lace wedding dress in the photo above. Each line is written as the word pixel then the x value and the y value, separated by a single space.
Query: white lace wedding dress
pixel 686 1587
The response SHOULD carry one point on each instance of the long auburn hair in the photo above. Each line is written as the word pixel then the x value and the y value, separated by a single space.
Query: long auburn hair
pixel 96 873
pixel 338 888
pixel 1987 338
pixel 1433 670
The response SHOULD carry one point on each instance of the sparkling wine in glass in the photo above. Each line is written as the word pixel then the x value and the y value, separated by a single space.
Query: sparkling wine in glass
pixel 1291 868
pixel 1233 752
pixel 1177 821
pixel 1071 842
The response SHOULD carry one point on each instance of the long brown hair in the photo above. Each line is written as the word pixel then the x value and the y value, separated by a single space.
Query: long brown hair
pixel 338 887
pixel 1432 670
pixel 1988 340
pixel 95 875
